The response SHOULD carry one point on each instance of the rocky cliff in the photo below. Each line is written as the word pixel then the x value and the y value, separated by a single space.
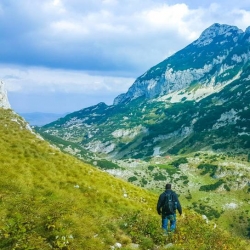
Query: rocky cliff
pixel 208 61
pixel 197 99
pixel 4 102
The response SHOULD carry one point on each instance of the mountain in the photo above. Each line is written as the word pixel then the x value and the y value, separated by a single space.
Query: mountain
pixel 197 99
pixel 51 200
pixel 39 118
pixel 185 121
pixel 207 61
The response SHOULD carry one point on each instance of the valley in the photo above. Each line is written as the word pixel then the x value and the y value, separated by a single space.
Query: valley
pixel 91 179
pixel 52 200
pixel 184 121
pixel 215 185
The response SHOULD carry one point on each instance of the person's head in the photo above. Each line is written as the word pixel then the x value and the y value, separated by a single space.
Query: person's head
pixel 168 186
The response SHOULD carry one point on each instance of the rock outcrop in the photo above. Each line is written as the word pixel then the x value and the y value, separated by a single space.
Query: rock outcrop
pixel 219 53
pixel 4 102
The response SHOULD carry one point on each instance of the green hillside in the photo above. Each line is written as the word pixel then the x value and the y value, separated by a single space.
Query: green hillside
pixel 51 200
pixel 219 122
pixel 195 100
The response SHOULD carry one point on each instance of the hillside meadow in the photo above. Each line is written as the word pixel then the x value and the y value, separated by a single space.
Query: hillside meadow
pixel 51 200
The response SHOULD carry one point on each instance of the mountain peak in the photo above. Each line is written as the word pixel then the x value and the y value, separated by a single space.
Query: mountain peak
pixel 199 63
pixel 4 102
pixel 215 30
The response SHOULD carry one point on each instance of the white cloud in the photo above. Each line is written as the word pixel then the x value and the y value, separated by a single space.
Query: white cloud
pixel 98 47
pixel 167 16
pixel 243 19
pixel 35 80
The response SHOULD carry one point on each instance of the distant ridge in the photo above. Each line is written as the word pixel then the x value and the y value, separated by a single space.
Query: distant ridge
pixel 39 118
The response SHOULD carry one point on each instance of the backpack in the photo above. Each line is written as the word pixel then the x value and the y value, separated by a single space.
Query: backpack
pixel 169 205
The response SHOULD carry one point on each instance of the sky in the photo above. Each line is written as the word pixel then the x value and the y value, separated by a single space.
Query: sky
pixel 59 56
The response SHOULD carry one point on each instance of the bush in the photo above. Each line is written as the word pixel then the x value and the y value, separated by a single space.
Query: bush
pixel 132 179
pixel 151 168
pixel 208 168
pixel 141 226
pixel 227 187
pixel 159 177
pixel 179 161
pixel 104 164
pixel 211 187
pixel 144 182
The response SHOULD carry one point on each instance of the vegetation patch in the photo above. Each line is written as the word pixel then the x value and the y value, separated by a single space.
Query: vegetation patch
pixel 207 210
pixel 211 187
pixel 144 230
pixel 169 169
pixel 208 168
pixel 144 182
pixel 159 177
pixel 132 179
pixel 151 168
pixel 104 164
pixel 179 161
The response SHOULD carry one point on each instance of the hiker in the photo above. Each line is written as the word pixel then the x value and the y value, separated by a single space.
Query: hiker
pixel 167 204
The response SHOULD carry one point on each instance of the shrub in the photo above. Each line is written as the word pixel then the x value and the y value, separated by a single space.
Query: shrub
pixel 151 168
pixel 132 179
pixel 211 187
pixel 144 182
pixel 159 177
pixel 208 168
pixel 104 164
pixel 227 187
pixel 179 161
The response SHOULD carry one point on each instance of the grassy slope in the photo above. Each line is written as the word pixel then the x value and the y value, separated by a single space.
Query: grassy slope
pixel 52 200
pixel 234 172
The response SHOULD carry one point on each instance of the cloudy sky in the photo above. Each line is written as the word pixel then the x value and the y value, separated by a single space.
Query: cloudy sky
pixel 60 56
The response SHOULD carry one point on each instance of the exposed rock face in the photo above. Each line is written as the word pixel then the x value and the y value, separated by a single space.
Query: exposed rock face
pixel 216 30
pixel 212 55
pixel 197 99
pixel 4 102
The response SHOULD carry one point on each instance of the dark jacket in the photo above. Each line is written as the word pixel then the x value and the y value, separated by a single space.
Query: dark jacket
pixel 161 201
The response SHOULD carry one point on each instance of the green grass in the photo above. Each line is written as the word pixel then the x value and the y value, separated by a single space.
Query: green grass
pixel 169 169
pixel 51 200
